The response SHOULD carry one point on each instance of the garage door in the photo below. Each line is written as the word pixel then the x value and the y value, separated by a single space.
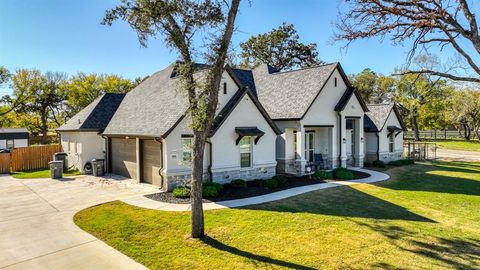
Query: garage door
pixel 151 162
pixel 123 157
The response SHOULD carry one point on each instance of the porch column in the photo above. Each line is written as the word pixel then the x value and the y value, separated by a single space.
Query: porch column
pixel 331 156
pixel 343 141
pixel 300 161
pixel 360 143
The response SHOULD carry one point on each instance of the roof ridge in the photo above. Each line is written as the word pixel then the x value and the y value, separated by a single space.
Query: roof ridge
pixel 305 68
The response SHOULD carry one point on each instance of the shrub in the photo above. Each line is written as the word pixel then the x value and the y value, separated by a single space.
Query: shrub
pixel 238 183
pixel 342 173
pixel 209 191
pixel 379 164
pixel 323 174
pixel 269 183
pixel 281 179
pixel 181 192
pixel 401 162
pixel 217 186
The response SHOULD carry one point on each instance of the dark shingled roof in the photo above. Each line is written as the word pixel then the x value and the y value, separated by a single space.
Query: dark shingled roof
pixel 377 116
pixel 96 116
pixel 13 133
pixel 346 97
pixel 288 95
pixel 246 78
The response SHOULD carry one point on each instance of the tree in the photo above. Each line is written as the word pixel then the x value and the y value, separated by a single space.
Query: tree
pixel 374 88
pixel 414 92
pixel 177 21
pixel 279 48
pixel 4 75
pixel 42 93
pixel 426 23
pixel 82 89
pixel 465 111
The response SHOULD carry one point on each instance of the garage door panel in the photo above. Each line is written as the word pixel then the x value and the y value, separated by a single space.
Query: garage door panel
pixel 151 162
pixel 124 157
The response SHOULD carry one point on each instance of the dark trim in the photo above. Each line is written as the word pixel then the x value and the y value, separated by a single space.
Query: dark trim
pixel 353 117
pixel 80 130
pixel 187 136
pixel 165 135
pixel 162 178
pixel 14 135
pixel 287 119
pixel 378 145
pixel 340 141
pixel 131 136
pixel 347 95
pixel 309 131
pixel 318 126
pixel 232 74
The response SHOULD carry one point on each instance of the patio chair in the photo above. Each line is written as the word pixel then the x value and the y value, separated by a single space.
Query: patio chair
pixel 317 163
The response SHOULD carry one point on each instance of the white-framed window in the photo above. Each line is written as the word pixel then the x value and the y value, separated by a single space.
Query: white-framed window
pixel 187 149
pixel 391 142
pixel 68 147
pixel 309 146
pixel 10 144
pixel 72 148
pixel 246 152
pixel 78 148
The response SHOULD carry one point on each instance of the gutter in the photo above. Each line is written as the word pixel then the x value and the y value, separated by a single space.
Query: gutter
pixel 107 153
pixel 210 154
pixel 162 178
pixel 378 145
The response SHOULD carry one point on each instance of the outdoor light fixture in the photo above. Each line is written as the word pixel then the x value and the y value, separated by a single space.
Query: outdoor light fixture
pixel 126 137
pixel 361 139
pixel 344 140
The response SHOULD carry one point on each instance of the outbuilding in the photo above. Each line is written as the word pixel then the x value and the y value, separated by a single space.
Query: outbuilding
pixel 13 138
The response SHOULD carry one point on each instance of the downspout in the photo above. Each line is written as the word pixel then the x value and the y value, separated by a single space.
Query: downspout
pixel 107 151
pixel 340 139
pixel 159 140
pixel 210 154
pixel 378 145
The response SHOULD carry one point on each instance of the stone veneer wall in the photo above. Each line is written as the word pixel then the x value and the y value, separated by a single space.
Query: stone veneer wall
pixel 223 177
pixel 292 167
pixel 386 157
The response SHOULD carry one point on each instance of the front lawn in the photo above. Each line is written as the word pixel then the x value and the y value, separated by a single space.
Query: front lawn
pixel 427 217
pixel 473 145
pixel 41 174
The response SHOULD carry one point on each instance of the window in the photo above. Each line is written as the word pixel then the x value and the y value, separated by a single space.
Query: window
pixel 187 143
pixel 335 81
pixel 391 142
pixel 225 88
pixel 72 147
pixel 246 152
pixel 309 146
pixel 10 144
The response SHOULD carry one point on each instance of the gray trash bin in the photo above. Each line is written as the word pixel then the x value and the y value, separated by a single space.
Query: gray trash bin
pixel 61 156
pixel 98 167
pixel 56 169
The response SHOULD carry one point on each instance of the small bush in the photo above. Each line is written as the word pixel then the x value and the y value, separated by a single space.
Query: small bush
pixel 323 174
pixel 379 164
pixel 402 162
pixel 181 192
pixel 281 179
pixel 210 191
pixel 238 183
pixel 342 173
pixel 217 186
pixel 269 183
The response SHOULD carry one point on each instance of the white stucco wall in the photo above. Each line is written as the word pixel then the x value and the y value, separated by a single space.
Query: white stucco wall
pixel 82 147
pixel 17 143
pixel 231 90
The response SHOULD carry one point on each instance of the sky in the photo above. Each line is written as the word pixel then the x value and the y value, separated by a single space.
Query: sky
pixel 66 36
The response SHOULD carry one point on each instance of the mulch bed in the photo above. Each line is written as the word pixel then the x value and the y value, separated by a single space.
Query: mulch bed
pixel 253 189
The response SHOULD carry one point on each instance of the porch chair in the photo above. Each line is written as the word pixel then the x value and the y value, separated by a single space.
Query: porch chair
pixel 317 163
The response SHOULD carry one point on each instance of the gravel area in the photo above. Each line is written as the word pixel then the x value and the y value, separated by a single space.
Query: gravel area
pixel 253 189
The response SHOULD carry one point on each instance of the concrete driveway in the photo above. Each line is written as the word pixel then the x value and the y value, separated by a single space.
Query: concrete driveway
pixel 37 229
pixel 458 155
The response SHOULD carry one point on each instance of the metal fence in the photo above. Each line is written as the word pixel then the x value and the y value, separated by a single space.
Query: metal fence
pixel 420 150
pixel 438 134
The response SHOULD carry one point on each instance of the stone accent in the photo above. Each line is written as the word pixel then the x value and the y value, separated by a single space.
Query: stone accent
pixel 359 162
pixel 245 174
pixel 388 157
pixel 286 166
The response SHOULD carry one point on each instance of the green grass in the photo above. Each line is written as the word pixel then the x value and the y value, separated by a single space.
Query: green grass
pixel 41 174
pixel 473 145
pixel 426 217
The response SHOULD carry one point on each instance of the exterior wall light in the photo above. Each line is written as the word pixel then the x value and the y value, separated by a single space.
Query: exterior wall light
pixel 344 140
pixel 361 139
pixel 126 137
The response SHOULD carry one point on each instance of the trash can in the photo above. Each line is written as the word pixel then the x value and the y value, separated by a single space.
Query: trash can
pixel 56 169
pixel 98 167
pixel 61 156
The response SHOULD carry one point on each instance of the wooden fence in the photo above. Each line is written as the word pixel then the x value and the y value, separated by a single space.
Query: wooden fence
pixel 438 134
pixel 28 158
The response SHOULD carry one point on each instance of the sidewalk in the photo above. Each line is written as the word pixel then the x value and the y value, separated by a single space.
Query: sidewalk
pixel 142 201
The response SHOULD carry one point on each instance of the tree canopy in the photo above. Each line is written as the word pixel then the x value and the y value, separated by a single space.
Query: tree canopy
pixel 280 48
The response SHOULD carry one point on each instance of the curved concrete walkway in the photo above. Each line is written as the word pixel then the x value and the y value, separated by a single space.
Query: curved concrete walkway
pixel 142 201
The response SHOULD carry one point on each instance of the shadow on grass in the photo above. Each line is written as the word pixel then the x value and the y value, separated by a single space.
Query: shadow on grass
pixel 259 258
pixel 342 201
pixel 456 253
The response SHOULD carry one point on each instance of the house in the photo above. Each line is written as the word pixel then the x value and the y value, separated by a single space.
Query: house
pixel 13 138
pixel 149 138
pixel 81 137
pixel 318 112
pixel 384 130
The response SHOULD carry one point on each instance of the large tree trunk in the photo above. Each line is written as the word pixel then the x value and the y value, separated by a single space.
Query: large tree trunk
pixel 415 128
pixel 199 138
pixel 44 127
pixel 466 130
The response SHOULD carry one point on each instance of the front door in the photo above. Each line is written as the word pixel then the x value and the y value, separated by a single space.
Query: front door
pixel 309 146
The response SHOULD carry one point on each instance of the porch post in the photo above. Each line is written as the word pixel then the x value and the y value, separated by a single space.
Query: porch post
pixel 300 161
pixel 343 141
pixel 331 157
pixel 360 143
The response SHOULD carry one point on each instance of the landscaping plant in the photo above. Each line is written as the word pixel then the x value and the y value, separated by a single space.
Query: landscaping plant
pixel 238 183
pixel 323 174
pixel 343 173
pixel 181 192
pixel 281 179
pixel 269 183
pixel 379 164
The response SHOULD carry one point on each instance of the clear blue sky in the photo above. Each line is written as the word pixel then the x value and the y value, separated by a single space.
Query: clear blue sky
pixel 66 35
